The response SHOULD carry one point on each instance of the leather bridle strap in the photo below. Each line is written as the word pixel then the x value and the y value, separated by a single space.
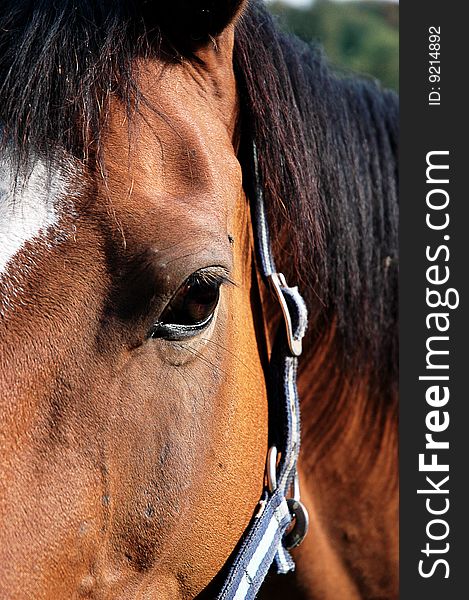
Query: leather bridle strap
pixel 281 520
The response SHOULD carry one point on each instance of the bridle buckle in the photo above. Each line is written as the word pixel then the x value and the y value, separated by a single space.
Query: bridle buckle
pixel 278 281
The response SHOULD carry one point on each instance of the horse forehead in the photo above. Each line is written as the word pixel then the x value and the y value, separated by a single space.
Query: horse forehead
pixel 181 138
pixel 178 177
pixel 30 206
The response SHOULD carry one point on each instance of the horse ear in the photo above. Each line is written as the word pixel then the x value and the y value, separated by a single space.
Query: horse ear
pixel 192 20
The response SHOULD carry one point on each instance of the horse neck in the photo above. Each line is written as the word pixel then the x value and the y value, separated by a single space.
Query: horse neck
pixel 348 411
pixel 348 469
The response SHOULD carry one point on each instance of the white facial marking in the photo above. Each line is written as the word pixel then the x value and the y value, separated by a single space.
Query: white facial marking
pixel 29 210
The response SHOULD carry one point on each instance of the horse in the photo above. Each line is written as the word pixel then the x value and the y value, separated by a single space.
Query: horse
pixel 135 329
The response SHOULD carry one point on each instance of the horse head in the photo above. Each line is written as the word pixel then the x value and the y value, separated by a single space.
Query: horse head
pixel 134 412
pixel 136 335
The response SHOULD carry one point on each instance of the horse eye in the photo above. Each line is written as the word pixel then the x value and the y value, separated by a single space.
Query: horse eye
pixel 190 310
pixel 194 302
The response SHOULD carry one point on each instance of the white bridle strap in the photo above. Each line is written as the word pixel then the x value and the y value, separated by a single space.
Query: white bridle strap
pixel 263 542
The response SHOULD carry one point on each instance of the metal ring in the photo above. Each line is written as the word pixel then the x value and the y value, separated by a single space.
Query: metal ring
pixel 296 534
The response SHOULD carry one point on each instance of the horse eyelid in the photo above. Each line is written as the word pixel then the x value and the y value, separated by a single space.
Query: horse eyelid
pixel 173 332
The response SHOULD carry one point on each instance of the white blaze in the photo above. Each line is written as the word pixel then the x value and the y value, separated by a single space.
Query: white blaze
pixel 29 211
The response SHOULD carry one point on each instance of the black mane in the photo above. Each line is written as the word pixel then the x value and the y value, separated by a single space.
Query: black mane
pixel 59 62
pixel 327 145
pixel 327 149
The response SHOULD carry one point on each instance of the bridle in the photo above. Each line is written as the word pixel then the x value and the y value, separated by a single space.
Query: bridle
pixel 281 520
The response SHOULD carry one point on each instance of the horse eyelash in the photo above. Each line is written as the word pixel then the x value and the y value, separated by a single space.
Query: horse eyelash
pixel 210 275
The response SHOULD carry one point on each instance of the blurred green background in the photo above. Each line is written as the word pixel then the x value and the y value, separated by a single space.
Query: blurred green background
pixel 360 36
